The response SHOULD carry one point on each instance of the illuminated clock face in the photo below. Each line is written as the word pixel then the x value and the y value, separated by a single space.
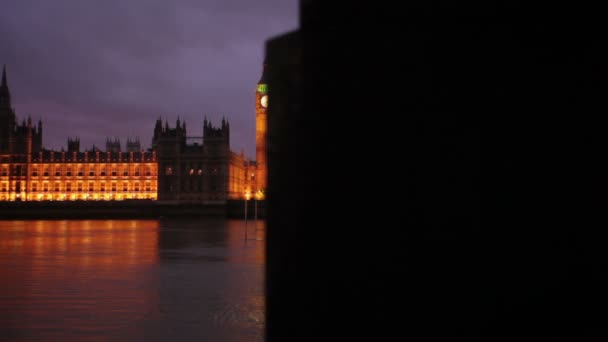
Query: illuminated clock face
pixel 264 101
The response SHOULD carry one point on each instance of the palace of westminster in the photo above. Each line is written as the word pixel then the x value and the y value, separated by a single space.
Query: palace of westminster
pixel 172 170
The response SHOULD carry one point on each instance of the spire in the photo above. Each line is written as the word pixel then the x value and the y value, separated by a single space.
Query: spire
pixel 5 94
pixel 264 77
pixel 4 82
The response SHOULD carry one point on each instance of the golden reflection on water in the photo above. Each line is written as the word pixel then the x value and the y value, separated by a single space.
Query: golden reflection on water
pixel 131 280
pixel 124 243
pixel 77 277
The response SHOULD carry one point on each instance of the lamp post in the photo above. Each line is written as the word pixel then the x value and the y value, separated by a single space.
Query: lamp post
pixel 247 195
pixel 258 196
pixel 255 212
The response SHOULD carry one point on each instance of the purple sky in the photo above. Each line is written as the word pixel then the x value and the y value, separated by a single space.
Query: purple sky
pixel 94 69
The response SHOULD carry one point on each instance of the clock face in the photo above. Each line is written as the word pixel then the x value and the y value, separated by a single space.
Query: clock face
pixel 264 101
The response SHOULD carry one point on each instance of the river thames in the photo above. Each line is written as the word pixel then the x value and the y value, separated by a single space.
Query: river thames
pixel 132 280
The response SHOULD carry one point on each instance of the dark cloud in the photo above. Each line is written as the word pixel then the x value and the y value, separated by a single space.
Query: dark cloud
pixel 110 68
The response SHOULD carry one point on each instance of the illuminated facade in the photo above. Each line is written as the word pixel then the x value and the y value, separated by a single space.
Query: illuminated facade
pixel 30 173
pixel 204 170
pixel 16 138
pixel 177 168
pixel 64 176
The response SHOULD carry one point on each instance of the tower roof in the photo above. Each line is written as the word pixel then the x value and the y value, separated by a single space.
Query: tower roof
pixel 264 77
pixel 4 82
pixel 4 91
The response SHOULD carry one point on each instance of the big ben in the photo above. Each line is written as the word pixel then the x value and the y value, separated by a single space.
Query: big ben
pixel 261 127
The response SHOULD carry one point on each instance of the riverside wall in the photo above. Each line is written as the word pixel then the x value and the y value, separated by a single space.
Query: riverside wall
pixel 137 209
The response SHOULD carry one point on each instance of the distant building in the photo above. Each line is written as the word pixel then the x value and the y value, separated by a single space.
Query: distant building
pixel 14 138
pixel 201 171
pixel 75 175
pixel 177 168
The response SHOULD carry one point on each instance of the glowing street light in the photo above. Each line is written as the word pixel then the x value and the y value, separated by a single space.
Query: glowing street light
pixel 259 195
pixel 247 196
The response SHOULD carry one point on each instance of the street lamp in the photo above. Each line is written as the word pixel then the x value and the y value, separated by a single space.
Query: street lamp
pixel 247 196
pixel 259 195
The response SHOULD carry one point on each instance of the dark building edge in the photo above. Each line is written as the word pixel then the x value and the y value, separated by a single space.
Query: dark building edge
pixel 282 53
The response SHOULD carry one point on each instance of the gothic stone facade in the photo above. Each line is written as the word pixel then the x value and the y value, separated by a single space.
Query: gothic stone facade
pixel 177 168
pixel 203 171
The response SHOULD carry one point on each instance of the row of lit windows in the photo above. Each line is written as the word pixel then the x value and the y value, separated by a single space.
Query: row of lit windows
pixel 91 160
pixel 80 171
pixel 79 187
pixel 77 197
pixel 192 172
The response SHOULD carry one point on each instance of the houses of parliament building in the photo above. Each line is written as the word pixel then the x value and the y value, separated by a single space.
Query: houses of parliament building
pixel 177 168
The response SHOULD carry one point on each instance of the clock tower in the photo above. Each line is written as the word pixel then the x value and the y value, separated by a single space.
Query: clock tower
pixel 261 126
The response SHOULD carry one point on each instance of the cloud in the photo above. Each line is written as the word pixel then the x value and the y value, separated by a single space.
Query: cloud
pixel 110 68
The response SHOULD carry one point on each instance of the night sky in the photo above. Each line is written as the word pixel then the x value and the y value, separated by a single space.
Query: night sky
pixel 95 69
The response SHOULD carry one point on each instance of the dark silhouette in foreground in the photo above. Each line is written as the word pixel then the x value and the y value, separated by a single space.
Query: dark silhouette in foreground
pixel 435 173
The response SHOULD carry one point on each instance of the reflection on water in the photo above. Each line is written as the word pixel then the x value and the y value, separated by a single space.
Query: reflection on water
pixel 131 280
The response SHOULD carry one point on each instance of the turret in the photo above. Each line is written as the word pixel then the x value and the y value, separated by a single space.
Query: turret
pixel 158 131
pixel 180 129
pixel 113 145
pixel 264 77
pixel 8 121
pixel 133 145
pixel 37 137
pixel 213 134
pixel 5 94
pixel 73 144
pixel 158 127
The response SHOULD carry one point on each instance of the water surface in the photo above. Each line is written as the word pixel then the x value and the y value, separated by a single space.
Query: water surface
pixel 131 280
